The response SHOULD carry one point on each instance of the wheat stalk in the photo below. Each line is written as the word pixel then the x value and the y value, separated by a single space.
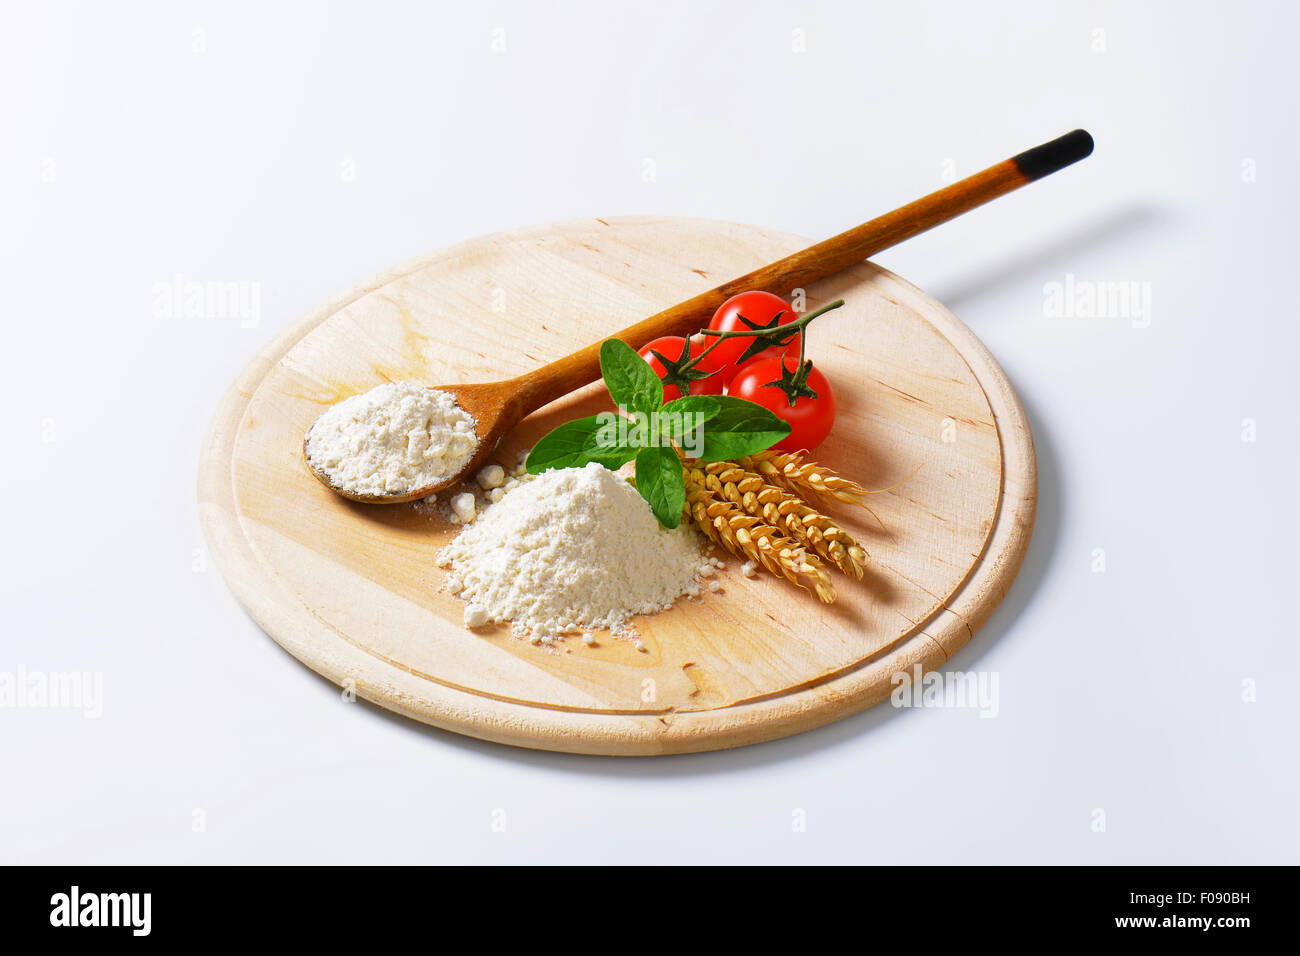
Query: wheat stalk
pixel 798 473
pixel 785 511
pixel 748 536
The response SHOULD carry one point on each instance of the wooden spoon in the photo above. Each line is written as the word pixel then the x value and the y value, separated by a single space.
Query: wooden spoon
pixel 498 406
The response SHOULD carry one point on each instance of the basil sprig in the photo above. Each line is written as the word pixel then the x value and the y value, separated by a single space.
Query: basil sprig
pixel 708 427
pixel 741 427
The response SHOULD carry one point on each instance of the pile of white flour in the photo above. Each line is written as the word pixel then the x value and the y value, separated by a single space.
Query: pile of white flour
pixel 392 440
pixel 572 549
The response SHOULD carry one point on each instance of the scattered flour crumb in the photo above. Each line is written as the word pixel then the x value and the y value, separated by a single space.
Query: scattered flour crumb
pixel 749 569
pixel 463 507
pixel 466 502
pixel 493 476
pixel 476 615
pixel 427 505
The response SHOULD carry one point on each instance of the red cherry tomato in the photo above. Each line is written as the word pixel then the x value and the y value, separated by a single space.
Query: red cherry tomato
pixel 810 418
pixel 671 348
pixel 742 313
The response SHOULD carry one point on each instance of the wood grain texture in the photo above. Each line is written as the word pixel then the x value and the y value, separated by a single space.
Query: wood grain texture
pixel 352 591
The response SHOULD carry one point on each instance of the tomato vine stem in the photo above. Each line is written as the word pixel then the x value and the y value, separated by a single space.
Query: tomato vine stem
pixel 775 335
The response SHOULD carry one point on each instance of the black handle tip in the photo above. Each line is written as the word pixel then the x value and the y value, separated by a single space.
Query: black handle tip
pixel 1042 160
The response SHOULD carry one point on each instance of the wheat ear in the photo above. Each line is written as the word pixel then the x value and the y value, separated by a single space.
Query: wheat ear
pixel 788 512
pixel 747 536
pixel 797 472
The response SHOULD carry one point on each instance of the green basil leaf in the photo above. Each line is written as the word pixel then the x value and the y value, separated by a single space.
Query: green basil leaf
pixel 632 383
pixel 566 446
pixel 660 480
pixel 683 420
pixel 740 428
pixel 611 453
pixel 702 407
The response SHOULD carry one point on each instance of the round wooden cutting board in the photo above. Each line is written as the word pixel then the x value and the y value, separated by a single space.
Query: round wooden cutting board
pixel 352 590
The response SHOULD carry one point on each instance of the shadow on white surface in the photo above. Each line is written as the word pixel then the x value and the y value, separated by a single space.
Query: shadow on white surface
pixel 1067 250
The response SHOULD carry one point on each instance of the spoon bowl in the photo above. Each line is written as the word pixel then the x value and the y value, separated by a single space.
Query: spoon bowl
pixel 495 408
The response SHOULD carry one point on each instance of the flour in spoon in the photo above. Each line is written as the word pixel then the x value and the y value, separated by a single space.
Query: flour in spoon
pixel 392 440
pixel 572 549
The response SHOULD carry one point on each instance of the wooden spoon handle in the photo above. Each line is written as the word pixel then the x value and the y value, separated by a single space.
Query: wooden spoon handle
pixel 826 258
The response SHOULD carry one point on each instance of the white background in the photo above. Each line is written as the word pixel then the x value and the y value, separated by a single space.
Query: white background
pixel 215 140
